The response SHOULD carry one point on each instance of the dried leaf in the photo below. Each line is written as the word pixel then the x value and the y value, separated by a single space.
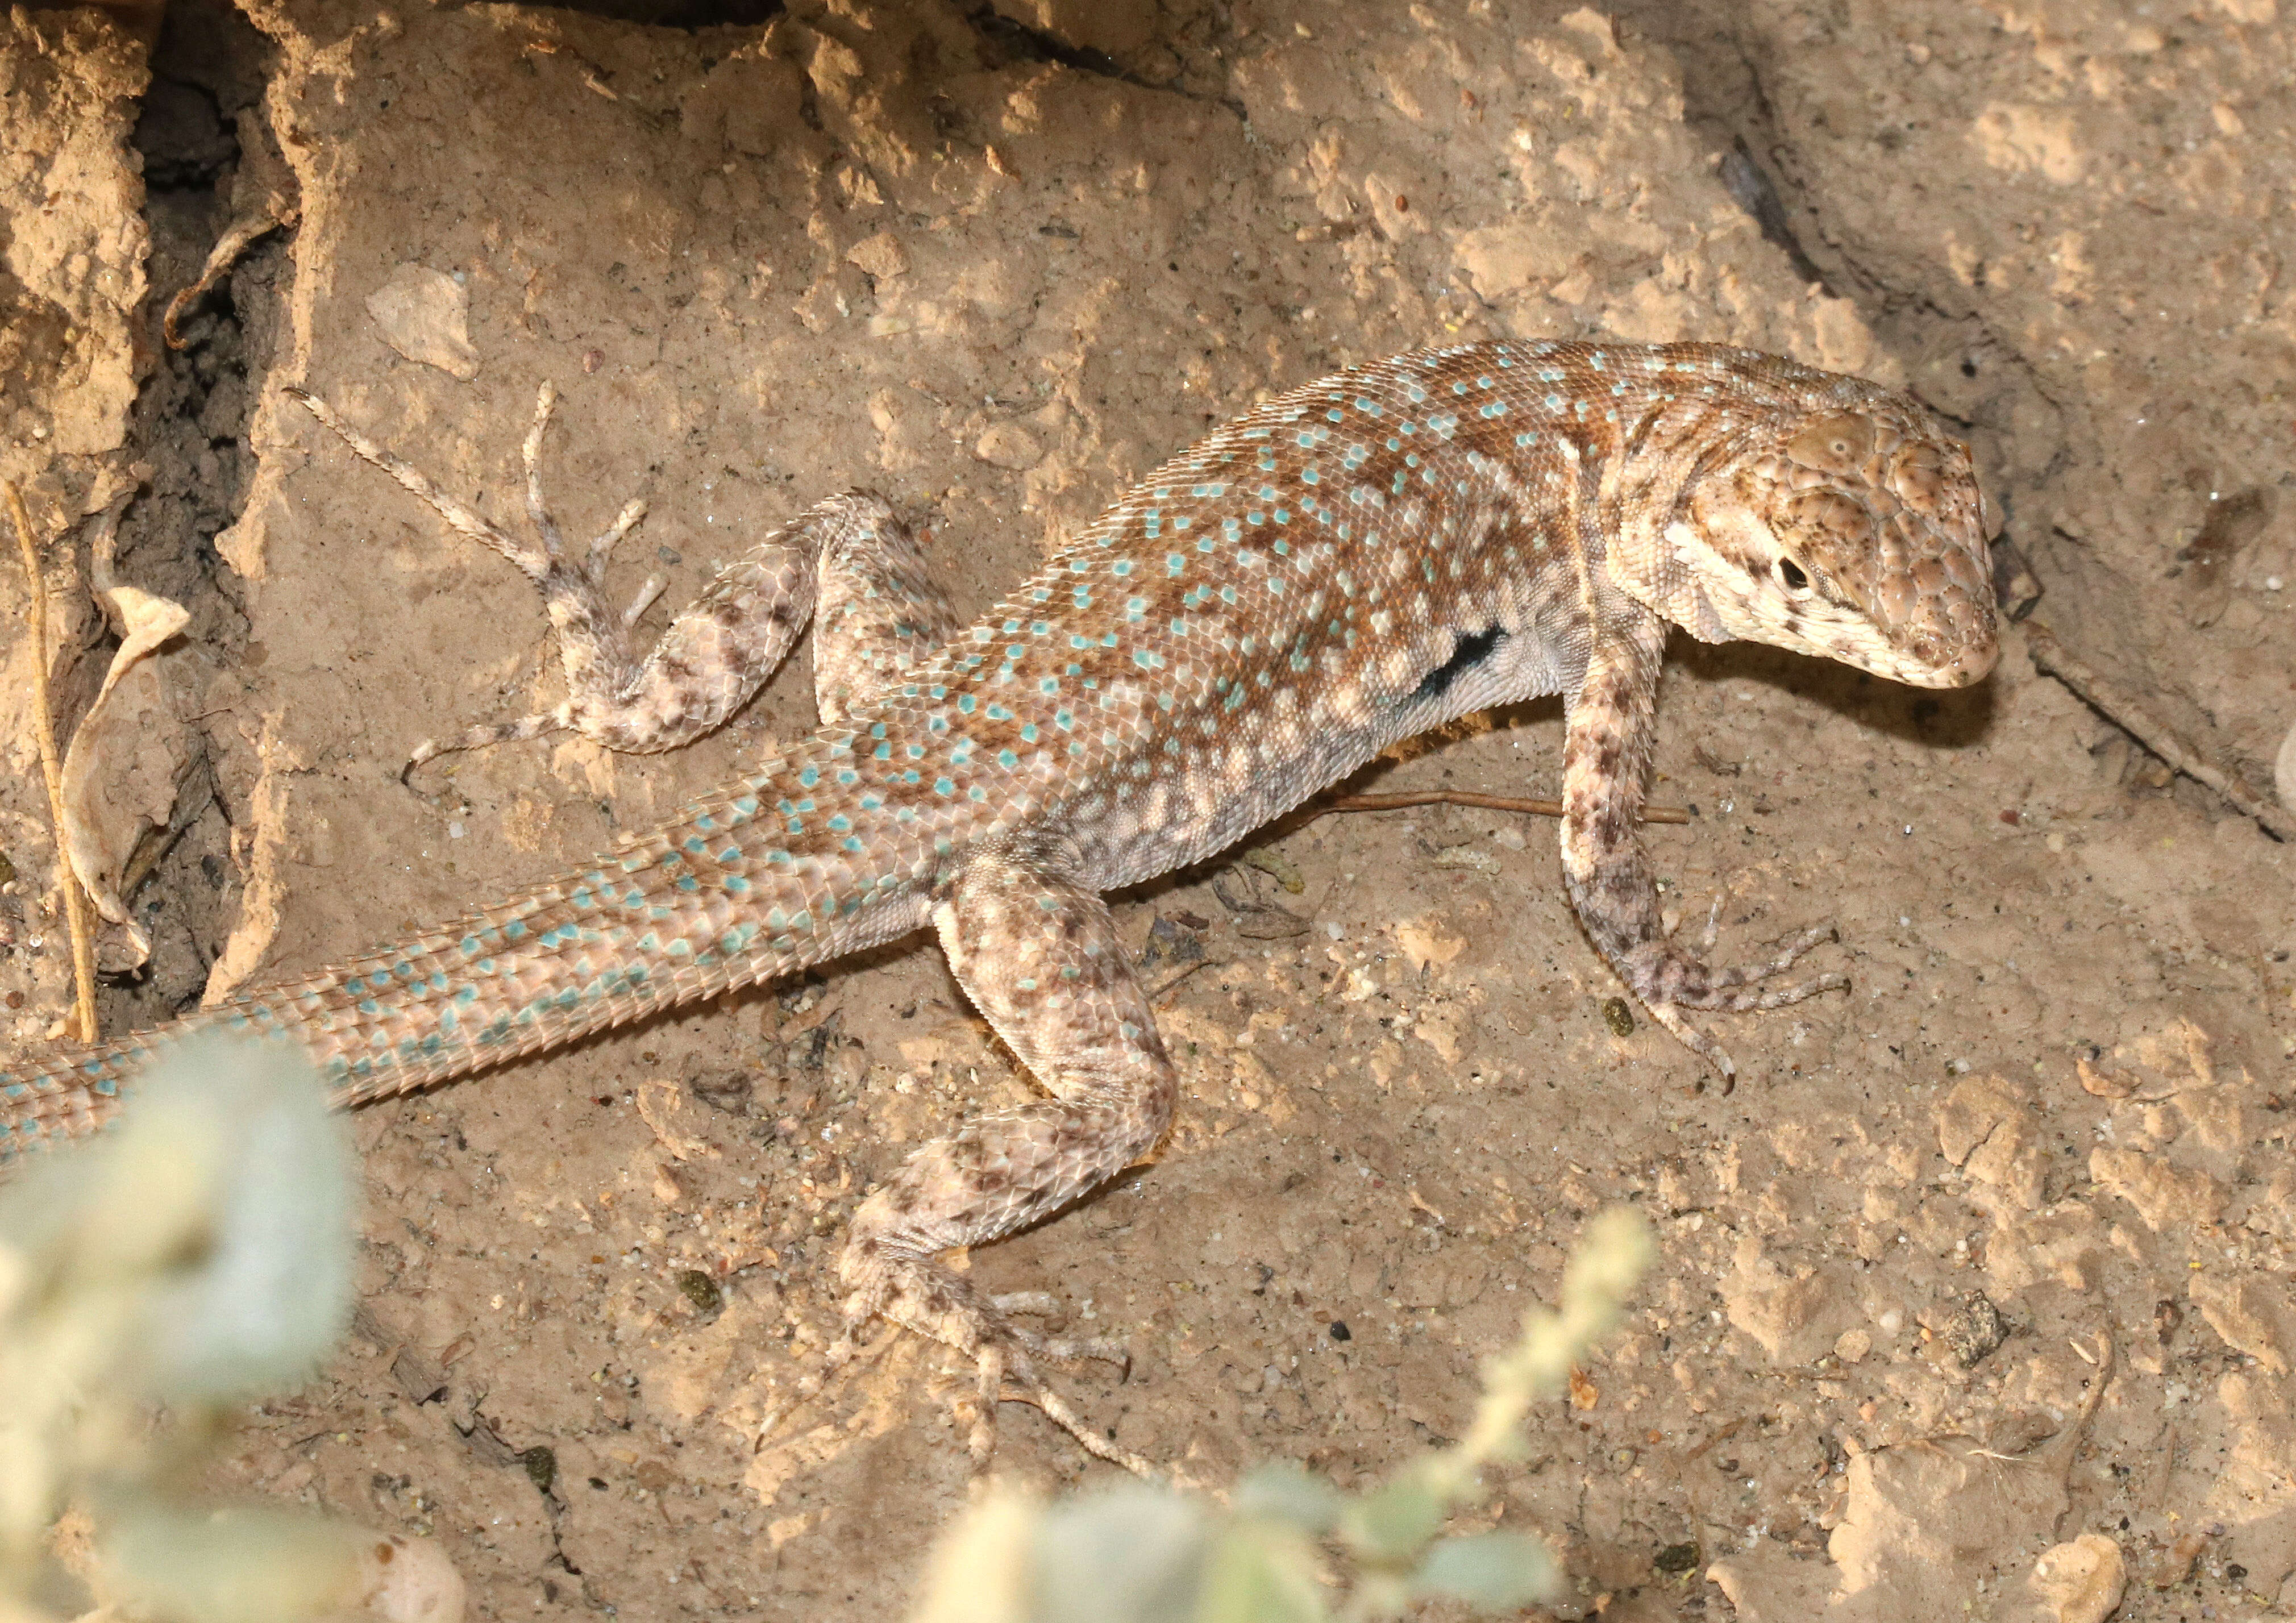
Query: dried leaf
pixel 125 762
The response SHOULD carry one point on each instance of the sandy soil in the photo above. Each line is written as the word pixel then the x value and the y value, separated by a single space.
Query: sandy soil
pixel 997 267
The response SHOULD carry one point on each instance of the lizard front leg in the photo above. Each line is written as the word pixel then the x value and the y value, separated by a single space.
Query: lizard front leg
pixel 1039 955
pixel 1610 731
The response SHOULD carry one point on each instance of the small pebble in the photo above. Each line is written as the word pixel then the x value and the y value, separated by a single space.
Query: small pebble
pixel 1675 1559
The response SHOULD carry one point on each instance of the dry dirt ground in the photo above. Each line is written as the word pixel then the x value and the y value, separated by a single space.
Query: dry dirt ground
pixel 997 264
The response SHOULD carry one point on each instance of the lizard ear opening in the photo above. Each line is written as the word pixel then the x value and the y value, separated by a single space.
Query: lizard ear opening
pixel 1701 621
pixel 1792 577
pixel 1681 593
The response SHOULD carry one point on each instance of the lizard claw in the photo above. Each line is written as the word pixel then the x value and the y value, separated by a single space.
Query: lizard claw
pixel 1060 1349
pixel 1667 982
pixel 921 1295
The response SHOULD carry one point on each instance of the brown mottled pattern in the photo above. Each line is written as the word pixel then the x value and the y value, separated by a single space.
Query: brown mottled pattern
pixel 1359 560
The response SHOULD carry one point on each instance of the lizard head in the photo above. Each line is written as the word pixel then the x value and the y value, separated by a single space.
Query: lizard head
pixel 1858 534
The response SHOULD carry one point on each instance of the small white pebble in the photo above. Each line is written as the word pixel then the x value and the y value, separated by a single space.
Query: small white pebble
pixel 2272 583
pixel 453 830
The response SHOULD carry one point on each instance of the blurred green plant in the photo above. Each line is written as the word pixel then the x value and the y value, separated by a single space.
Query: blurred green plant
pixel 1290 1547
pixel 195 1257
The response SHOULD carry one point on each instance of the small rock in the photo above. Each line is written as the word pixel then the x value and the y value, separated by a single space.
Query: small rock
pixel 1008 444
pixel 881 256
pixel 1975 1330
pixel 2014 585
pixel 2283 771
pixel 424 315
pixel 2172 1566
pixel 1675 1559
pixel 698 1288
pixel 2079 1582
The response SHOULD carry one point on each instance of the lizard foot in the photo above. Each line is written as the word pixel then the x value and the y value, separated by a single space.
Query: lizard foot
pixel 716 651
pixel 589 632
pixel 920 1294
pixel 1667 980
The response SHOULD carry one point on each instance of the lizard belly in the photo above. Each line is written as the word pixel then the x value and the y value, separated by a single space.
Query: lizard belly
pixel 1218 797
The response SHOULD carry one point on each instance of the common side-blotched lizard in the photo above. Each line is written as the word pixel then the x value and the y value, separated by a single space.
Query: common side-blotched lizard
pixel 1362 559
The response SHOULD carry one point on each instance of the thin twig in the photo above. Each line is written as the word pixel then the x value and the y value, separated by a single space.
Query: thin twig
pixel 2117 706
pixel 44 728
pixel 1175 978
pixel 1467 797
pixel 1722 1436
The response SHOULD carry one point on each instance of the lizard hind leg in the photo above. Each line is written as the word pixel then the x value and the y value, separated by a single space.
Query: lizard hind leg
pixel 712 658
pixel 570 592
pixel 846 562
pixel 881 612
pixel 1040 955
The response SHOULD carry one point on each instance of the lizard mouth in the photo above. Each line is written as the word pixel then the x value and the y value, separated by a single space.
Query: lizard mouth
pixel 1973 664
pixel 1948 642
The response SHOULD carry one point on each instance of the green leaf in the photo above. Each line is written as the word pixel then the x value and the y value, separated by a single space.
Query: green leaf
pixel 271 1289
pixel 244 1566
pixel 206 1245
pixel 981 1564
pixel 1611 1256
pixel 1129 1553
pixel 1393 1523
pixel 1261 1573
pixel 1286 1492
pixel 1495 1571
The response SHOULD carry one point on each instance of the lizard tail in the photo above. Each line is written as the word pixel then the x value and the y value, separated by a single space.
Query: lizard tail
pixel 686 911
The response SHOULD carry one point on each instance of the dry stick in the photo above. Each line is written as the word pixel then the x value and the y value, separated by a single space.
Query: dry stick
pixel 83 941
pixel 2119 708
pixel 1175 978
pixel 228 248
pixel 1468 797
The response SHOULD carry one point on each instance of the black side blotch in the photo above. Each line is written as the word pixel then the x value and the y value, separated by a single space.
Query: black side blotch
pixel 1470 650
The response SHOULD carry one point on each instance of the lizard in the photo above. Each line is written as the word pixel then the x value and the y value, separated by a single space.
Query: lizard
pixel 1355 562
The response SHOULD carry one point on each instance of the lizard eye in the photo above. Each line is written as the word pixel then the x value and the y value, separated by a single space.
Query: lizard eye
pixel 1790 575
